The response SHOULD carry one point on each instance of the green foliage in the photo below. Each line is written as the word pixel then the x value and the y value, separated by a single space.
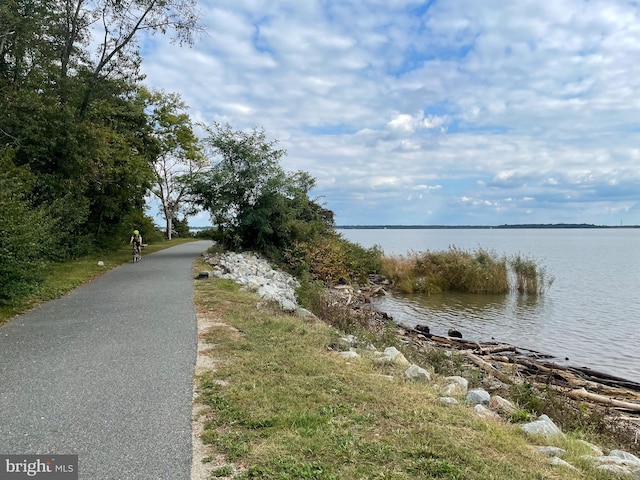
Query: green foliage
pixel 26 232
pixel 181 227
pixel 75 120
pixel 332 259
pixel 253 202
pixel 209 233
pixel 289 469
pixel 175 154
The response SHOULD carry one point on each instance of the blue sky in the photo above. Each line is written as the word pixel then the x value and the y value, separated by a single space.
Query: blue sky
pixel 452 112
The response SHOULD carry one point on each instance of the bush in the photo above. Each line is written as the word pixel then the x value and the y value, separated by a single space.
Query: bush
pixel 333 260
pixel 210 234
pixel 26 233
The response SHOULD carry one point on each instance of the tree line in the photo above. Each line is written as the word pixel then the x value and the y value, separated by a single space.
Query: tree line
pixel 84 143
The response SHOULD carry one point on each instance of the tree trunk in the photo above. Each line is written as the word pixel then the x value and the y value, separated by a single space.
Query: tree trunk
pixel 169 225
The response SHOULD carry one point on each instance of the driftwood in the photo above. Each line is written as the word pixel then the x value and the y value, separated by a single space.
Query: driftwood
pixel 582 394
pixel 513 364
pixel 489 368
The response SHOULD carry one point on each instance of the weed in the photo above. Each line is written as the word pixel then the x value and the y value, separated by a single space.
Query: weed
pixel 289 469
pixel 225 471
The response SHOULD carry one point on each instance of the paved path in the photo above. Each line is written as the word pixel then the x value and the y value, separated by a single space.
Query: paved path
pixel 106 372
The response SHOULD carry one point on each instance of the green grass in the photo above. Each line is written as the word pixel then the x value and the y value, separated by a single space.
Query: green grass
pixel 59 278
pixel 284 406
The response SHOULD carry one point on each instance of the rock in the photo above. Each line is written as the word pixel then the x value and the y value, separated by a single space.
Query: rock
pixel 448 400
pixel 456 386
pixel 478 396
pixel 414 372
pixel 454 333
pixel 101 263
pixel 543 426
pixel 349 355
pixel 626 457
pixel 502 405
pixel 551 451
pixel 348 341
pixel 304 313
pixel 595 450
pixel 423 329
pixel 288 305
pixel 619 471
pixel 256 274
pixel 393 355
pixel 558 462
pixel 485 412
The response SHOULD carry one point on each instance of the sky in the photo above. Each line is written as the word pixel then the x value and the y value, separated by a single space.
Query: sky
pixel 444 112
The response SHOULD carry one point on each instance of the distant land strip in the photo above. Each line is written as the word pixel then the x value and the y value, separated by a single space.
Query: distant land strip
pixel 520 225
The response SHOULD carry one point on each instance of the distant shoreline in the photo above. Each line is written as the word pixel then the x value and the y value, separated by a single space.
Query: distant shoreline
pixel 466 227
pixel 478 227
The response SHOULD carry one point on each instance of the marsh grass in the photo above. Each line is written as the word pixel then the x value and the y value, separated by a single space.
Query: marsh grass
pixel 530 278
pixel 284 406
pixel 479 271
pixel 60 278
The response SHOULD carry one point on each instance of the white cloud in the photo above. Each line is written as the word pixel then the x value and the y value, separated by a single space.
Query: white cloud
pixel 530 101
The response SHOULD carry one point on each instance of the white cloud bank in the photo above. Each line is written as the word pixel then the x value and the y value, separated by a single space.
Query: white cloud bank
pixel 441 112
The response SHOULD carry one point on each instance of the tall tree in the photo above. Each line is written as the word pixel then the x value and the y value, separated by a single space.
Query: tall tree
pixel 243 164
pixel 176 155
pixel 251 198
pixel 71 114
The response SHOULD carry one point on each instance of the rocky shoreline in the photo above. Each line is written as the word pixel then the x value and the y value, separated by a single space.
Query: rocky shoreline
pixel 255 274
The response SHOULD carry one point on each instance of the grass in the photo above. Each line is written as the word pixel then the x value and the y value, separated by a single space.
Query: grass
pixel 283 405
pixel 60 278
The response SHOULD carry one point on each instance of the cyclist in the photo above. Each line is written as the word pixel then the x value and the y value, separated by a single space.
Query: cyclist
pixel 136 241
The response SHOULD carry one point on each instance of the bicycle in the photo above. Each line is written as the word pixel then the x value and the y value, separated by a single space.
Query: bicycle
pixel 136 254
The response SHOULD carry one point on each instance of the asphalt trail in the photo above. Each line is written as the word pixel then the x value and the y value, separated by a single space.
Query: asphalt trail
pixel 106 372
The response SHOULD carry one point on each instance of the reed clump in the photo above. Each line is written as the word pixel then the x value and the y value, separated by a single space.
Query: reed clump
pixel 530 278
pixel 479 271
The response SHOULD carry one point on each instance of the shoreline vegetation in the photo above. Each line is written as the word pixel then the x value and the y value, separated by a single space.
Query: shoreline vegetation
pixel 479 271
pixel 278 405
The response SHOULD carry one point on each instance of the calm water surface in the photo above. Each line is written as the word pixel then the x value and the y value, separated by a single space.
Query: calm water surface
pixel 589 317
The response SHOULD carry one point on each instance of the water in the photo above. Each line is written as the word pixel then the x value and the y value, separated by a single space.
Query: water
pixel 590 317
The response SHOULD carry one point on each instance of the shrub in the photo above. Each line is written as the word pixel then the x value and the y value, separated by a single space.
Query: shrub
pixel 26 233
pixel 332 259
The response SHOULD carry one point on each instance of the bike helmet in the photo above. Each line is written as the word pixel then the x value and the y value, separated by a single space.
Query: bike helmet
pixel 136 232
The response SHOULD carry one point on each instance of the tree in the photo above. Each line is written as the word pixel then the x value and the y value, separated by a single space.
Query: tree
pixel 119 23
pixel 73 116
pixel 251 198
pixel 243 164
pixel 177 154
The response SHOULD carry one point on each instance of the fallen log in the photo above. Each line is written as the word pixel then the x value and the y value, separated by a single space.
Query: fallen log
pixel 490 369
pixel 497 349
pixel 582 394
